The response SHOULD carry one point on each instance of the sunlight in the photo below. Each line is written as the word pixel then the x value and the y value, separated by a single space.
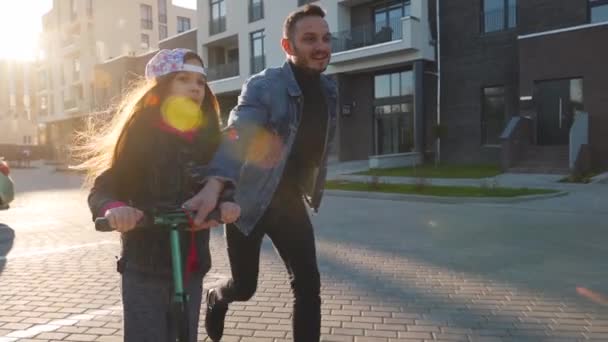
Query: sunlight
pixel 20 26
pixel 185 3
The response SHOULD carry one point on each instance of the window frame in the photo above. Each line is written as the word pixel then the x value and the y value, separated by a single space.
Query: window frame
pixel 147 41
pixel 253 18
pixel 217 25
pixel 147 21
pixel 591 4
pixel 507 10
pixel 180 21
pixel 252 40
pixel 483 116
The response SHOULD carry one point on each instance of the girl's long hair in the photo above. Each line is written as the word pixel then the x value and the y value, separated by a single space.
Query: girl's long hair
pixel 101 144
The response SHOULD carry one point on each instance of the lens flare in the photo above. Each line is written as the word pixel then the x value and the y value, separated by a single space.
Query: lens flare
pixel 265 150
pixel 152 100
pixel 182 113
pixel 593 296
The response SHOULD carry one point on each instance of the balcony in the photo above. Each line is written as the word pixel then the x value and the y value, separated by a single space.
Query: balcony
pixel 385 43
pixel 70 104
pixel 75 106
pixel 146 24
pixel 221 71
pixel 367 35
pixel 69 44
pixel 217 25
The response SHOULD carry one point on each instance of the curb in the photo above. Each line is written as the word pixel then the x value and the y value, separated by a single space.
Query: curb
pixel 439 199
pixel 601 178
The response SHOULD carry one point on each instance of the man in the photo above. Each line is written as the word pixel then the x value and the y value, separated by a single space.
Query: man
pixel 275 151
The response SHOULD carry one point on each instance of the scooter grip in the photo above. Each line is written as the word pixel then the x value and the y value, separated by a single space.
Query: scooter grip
pixel 102 224
pixel 216 215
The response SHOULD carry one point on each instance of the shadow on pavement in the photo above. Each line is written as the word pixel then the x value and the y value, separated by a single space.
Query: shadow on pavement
pixel 43 178
pixel 7 238
pixel 519 249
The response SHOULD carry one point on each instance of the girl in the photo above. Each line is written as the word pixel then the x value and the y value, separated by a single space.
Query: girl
pixel 144 158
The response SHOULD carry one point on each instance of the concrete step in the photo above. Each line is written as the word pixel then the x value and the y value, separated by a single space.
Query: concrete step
pixel 544 159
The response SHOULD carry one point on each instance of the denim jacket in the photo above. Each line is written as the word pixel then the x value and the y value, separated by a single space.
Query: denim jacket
pixel 270 101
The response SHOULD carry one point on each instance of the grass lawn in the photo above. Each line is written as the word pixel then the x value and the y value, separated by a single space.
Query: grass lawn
pixel 441 171
pixel 436 190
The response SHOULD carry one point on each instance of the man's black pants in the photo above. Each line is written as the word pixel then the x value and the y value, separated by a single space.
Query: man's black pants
pixel 287 224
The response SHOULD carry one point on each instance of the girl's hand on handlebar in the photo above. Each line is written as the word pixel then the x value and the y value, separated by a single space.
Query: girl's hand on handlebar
pixel 123 219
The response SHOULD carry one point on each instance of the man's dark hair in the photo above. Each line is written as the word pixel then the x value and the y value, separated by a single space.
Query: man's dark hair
pixel 293 18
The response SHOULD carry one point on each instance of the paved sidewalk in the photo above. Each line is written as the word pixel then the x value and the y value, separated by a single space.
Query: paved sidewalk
pixel 391 271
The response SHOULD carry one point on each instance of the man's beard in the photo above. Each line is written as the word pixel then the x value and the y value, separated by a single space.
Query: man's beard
pixel 302 63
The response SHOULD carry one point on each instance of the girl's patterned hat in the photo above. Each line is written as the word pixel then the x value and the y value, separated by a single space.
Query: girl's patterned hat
pixel 168 61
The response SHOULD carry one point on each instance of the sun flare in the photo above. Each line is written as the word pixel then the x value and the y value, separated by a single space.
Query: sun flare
pixel 20 27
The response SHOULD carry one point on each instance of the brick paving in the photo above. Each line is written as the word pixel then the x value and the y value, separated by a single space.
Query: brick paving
pixel 391 271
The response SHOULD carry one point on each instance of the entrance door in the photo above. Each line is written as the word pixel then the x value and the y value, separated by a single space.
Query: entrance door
pixel 555 102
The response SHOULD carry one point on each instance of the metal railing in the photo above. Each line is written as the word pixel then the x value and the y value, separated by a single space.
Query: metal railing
pixel 217 25
pixel 258 63
pixel 69 104
pixel 146 24
pixel 367 35
pixel 220 71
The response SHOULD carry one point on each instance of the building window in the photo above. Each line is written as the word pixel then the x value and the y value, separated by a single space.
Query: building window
pixel 162 11
pixel 258 58
pixel 42 79
pixel 498 15
pixel 493 115
pixel 73 10
pixel 162 32
pixel 256 10
pixel 183 24
pixel 217 23
pixel 146 16
pixel 392 85
pixel 304 2
pixel 598 11
pixel 145 41
pixel 394 112
pixel 90 8
pixel 387 21
pixel 76 69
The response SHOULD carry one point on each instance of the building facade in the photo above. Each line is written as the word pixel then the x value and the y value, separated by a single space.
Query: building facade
pixel 523 82
pixel 383 61
pixel 116 75
pixel 77 35
pixel 19 106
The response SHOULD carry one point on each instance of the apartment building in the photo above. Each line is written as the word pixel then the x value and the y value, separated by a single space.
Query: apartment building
pixel 18 106
pixel 383 61
pixel 77 35
pixel 115 75
pixel 523 83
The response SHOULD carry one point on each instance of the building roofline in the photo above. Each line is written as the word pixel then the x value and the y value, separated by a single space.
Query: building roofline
pixel 113 59
pixel 178 35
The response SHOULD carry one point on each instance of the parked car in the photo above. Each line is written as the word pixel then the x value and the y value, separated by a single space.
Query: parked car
pixel 7 189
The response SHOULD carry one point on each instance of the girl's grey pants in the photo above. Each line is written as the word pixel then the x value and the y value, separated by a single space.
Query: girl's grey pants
pixel 147 306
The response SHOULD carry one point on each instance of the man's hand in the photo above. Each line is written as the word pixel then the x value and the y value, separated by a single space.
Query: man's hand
pixel 123 219
pixel 230 212
pixel 204 202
